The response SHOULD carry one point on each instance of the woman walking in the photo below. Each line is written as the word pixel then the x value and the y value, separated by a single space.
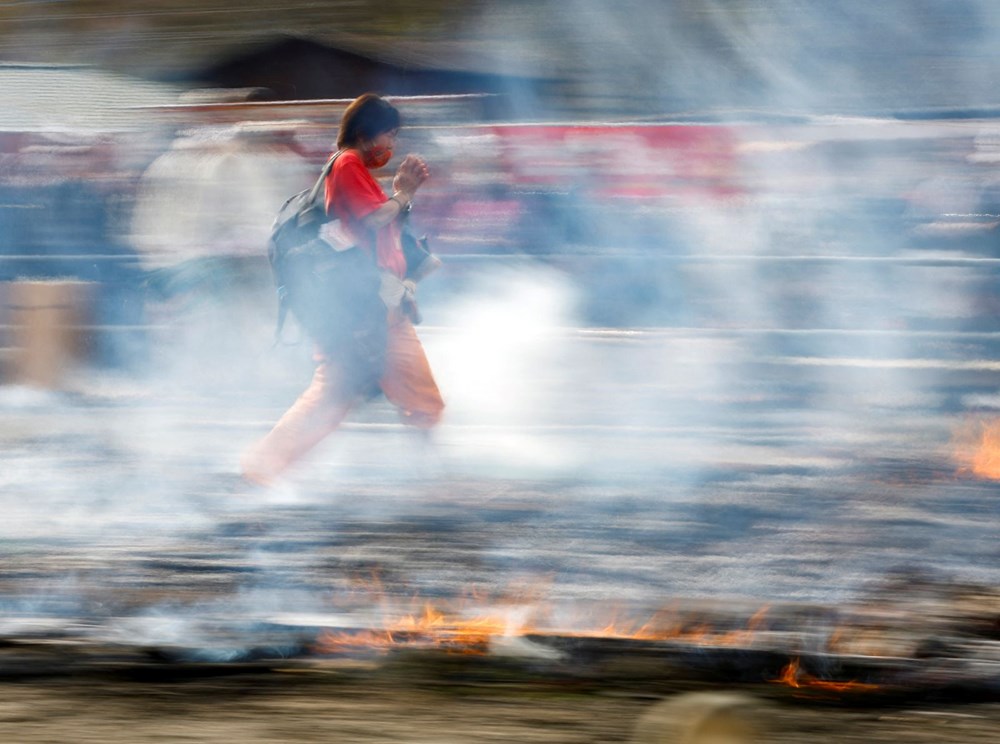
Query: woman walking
pixel 365 143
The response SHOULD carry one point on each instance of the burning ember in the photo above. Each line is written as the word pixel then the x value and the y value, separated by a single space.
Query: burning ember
pixel 668 626
pixel 459 631
pixel 794 676
pixel 979 449
pixel 431 628
pixel 712 640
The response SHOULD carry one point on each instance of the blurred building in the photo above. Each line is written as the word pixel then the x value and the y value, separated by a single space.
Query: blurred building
pixel 42 97
pixel 297 68
pixel 598 59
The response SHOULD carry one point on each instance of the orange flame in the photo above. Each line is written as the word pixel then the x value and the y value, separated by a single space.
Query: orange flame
pixel 978 446
pixel 429 628
pixel 461 632
pixel 793 676
pixel 664 626
pixel 341 642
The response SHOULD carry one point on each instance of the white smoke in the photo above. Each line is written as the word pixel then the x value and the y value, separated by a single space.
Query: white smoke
pixel 501 359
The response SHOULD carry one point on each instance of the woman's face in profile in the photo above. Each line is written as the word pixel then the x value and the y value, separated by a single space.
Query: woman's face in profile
pixel 378 152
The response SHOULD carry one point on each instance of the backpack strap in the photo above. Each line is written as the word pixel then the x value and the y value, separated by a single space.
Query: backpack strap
pixel 282 314
pixel 323 175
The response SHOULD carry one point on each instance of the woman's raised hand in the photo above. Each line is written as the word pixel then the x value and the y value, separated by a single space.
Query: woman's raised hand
pixel 412 172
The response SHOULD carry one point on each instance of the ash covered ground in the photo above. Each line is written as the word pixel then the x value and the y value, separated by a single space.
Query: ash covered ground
pixel 586 480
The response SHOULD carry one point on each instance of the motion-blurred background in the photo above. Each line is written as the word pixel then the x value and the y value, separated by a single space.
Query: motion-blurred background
pixel 717 317
pixel 658 132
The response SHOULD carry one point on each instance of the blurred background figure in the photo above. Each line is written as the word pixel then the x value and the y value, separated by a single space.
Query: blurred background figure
pixel 214 193
pixel 201 222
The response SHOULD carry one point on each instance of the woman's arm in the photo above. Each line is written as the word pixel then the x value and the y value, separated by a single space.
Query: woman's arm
pixel 389 211
pixel 411 174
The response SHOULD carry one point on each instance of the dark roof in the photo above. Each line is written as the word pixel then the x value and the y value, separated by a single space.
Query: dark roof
pixel 294 68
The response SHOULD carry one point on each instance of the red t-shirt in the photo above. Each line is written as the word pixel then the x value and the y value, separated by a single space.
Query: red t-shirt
pixel 352 193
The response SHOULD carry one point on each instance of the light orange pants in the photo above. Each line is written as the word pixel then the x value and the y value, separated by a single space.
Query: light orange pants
pixel 407 383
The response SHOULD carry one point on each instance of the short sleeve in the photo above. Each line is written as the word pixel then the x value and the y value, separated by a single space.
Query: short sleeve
pixel 352 189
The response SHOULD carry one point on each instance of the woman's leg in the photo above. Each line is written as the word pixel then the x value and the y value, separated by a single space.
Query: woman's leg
pixel 317 413
pixel 408 382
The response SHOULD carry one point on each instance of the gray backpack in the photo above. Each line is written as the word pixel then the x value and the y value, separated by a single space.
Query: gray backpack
pixel 333 294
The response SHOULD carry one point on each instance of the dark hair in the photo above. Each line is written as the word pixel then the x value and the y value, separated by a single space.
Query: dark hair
pixel 366 118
